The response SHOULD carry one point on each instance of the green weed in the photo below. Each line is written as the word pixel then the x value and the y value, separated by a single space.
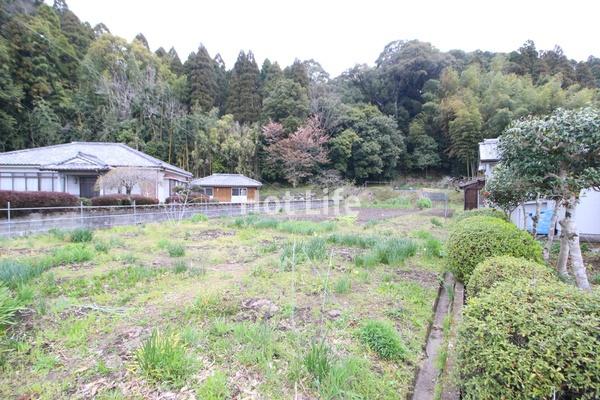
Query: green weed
pixel 214 387
pixel 198 218
pixel 342 285
pixel 382 338
pixel 81 235
pixel 164 358
pixel 176 250
pixel 318 361
pixel 352 240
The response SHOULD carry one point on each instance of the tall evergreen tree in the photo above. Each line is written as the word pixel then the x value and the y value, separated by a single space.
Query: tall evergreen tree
pixel 222 80
pixel 298 73
pixel 244 100
pixel 202 80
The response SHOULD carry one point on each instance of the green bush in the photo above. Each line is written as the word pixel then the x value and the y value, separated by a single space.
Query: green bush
pixel 530 341
pixel 472 240
pixel 423 203
pixel 81 235
pixel 382 338
pixel 481 212
pixel 163 358
pixel 496 270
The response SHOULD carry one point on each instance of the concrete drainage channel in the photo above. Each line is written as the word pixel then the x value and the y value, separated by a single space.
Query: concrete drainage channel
pixel 430 381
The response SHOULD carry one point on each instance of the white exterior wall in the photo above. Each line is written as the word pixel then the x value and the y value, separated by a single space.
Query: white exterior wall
pixel 587 213
pixel 159 188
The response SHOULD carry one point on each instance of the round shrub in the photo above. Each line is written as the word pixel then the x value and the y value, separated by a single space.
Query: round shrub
pixel 472 240
pixel 524 341
pixel 496 270
pixel 481 212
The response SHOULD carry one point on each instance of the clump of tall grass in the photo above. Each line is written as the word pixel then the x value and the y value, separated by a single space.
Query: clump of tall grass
pixel 423 203
pixel 431 246
pixel 214 387
pixel 198 218
pixel 391 252
pixel 318 361
pixel 306 227
pixel 15 272
pixel 352 240
pixel 174 249
pixel 342 285
pixel 395 202
pixel 81 235
pixel 295 227
pixel 296 252
pixel 9 306
pixel 164 358
pixel 382 338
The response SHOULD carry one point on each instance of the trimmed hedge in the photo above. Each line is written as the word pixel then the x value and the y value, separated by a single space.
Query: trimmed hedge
pixel 472 240
pixel 35 199
pixel 496 270
pixel 524 341
pixel 122 200
pixel 193 197
pixel 481 212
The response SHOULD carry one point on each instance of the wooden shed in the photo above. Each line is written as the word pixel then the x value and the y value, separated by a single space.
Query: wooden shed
pixel 472 190
pixel 228 188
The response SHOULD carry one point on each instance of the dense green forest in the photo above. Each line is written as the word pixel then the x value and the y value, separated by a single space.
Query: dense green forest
pixel 416 110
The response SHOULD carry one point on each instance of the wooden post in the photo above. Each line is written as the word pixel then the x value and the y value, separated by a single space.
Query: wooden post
pixel 81 214
pixel 9 223
pixel 134 214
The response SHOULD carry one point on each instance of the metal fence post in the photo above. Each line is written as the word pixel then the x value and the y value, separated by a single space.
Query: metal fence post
pixel 134 214
pixel 81 214
pixel 8 214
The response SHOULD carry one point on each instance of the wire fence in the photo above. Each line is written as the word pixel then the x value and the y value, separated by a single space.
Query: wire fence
pixel 25 221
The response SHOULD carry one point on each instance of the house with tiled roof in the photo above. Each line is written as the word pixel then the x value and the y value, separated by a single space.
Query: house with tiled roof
pixel 75 167
pixel 228 188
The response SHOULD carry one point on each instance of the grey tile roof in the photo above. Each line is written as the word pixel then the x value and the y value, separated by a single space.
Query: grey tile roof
pixel 226 180
pixel 101 153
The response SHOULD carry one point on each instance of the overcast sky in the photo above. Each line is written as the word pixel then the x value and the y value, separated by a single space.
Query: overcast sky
pixel 339 34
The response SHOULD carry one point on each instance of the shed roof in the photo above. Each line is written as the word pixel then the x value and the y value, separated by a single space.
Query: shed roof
pixel 226 180
pixel 85 155
pixel 488 150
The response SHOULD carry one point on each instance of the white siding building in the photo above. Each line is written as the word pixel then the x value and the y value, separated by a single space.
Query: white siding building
pixel 74 168
pixel 587 212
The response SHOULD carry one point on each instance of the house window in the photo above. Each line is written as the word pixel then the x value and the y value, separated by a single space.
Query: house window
pixel 208 191
pixel 237 191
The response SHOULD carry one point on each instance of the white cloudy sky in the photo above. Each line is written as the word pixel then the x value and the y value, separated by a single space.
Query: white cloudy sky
pixel 340 34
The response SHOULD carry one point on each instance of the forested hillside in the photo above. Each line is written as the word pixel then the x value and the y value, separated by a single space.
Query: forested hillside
pixel 416 110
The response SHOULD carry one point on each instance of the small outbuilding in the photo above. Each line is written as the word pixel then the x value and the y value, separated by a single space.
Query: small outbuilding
pixel 472 190
pixel 228 188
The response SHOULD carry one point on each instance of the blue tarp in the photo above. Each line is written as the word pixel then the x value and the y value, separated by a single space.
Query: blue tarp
pixel 544 222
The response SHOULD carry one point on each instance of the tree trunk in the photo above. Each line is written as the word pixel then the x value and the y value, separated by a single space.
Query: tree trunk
pixel 536 218
pixel 551 229
pixel 574 247
pixel 563 255
pixel 524 216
